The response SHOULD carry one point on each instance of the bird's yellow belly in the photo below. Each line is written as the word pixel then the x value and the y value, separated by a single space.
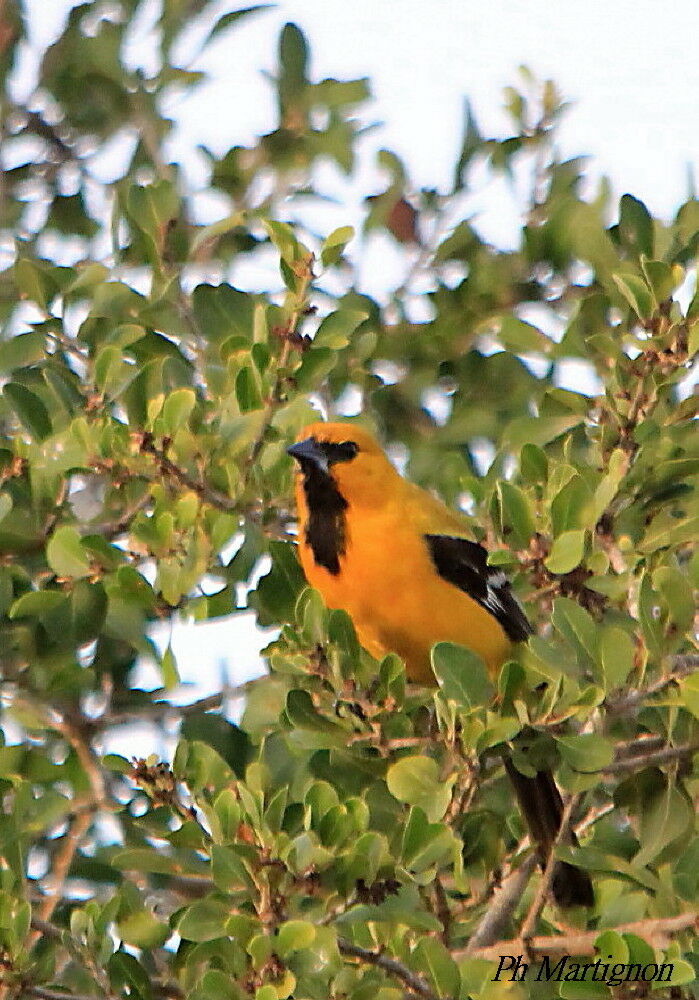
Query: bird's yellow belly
pixel 402 605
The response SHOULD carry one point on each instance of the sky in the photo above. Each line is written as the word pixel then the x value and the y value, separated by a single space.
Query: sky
pixel 629 69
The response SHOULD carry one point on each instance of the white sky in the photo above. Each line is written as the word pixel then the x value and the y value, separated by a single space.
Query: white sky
pixel 630 68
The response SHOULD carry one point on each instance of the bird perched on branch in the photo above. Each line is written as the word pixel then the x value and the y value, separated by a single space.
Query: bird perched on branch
pixel 400 563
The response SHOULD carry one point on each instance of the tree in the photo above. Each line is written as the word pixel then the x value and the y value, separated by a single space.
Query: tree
pixel 349 838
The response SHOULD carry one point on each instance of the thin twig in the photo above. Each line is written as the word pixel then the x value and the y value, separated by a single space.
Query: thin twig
pixel 532 916
pixel 206 493
pixel 642 744
pixel 389 965
pixel 162 707
pixel 442 910
pixel 655 932
pixel 682 664
pixel 62 861
pixel 46 994
pixel 87 758
pixel 502 906
pixel 593 816
pixel 112 529
pixel 653 757
pixel 46 928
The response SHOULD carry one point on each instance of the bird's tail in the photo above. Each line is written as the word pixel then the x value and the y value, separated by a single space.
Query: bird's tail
pixel 542 806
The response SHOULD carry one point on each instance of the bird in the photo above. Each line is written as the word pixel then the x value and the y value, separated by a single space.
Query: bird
pixel 402 565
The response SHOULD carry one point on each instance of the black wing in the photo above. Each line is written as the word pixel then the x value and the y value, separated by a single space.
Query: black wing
pixel 465 564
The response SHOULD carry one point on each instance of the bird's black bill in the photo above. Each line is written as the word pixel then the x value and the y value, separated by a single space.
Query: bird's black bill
pixel 309 450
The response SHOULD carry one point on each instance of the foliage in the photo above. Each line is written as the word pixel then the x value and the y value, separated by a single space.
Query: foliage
pixel 346 839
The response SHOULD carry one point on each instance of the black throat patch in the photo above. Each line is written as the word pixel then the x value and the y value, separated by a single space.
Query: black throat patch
pixel 325 531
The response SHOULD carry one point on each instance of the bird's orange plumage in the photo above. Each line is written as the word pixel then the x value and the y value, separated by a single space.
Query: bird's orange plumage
pixel 387 582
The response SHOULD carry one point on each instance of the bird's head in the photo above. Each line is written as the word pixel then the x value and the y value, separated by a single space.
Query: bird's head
pixel 346 454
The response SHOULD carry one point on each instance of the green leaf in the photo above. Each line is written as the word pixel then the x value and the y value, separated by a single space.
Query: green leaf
pixel 229 741
pixel 177 409
pixel 516 515
pixel 229 20
pixel 294 935
pixel 577 627
pixel 635 225
pixel 127 974
pixel 415 780
pixel 37 603
pixel 29 409
pixel 676 591
pixel 152 207
pixel 461 675
pixel 65 554
pixel 425 844
pixel 293 57
pixel 204 920
pixel 302 713
pixel 143 859
pixel 88 609
pixel 284 239
pixel 37 281
pixel 648 605
pixel 612 945
pixel 472 142
pixel 334 245
pixel 168 670
pixel 683 974
pixel 228 812
pixel 538 430
pixel 228 870
pixel 689 688
pixel 637 294
pixel 533 464
pixel 23 350
pixel 522 338
pixel 571 507
pixel 336 329
pixel 142 930
pixel 665 819
pixel 5 505
pixel 585 752
pixel 222 311
pixel 566 552
pixel 431 957
pixel 276 593
pixel 661 277
pixel 247 391
pixel 616 652
pixel 115 762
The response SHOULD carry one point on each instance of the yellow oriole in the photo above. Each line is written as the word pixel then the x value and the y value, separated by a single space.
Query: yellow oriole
pixel 399 562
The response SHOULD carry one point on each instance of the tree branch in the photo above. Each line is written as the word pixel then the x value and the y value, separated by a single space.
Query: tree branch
pixel 62 861
pixel 683 664
pixel 656 932
pixel 168 468
pixel 86 756
pixel 394 968
pixel 502 906
pixel 46 994
pixel 162 707
pixel 624 764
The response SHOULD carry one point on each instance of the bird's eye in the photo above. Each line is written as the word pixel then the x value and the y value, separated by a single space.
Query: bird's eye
pixel 349 447
pixel 340 451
